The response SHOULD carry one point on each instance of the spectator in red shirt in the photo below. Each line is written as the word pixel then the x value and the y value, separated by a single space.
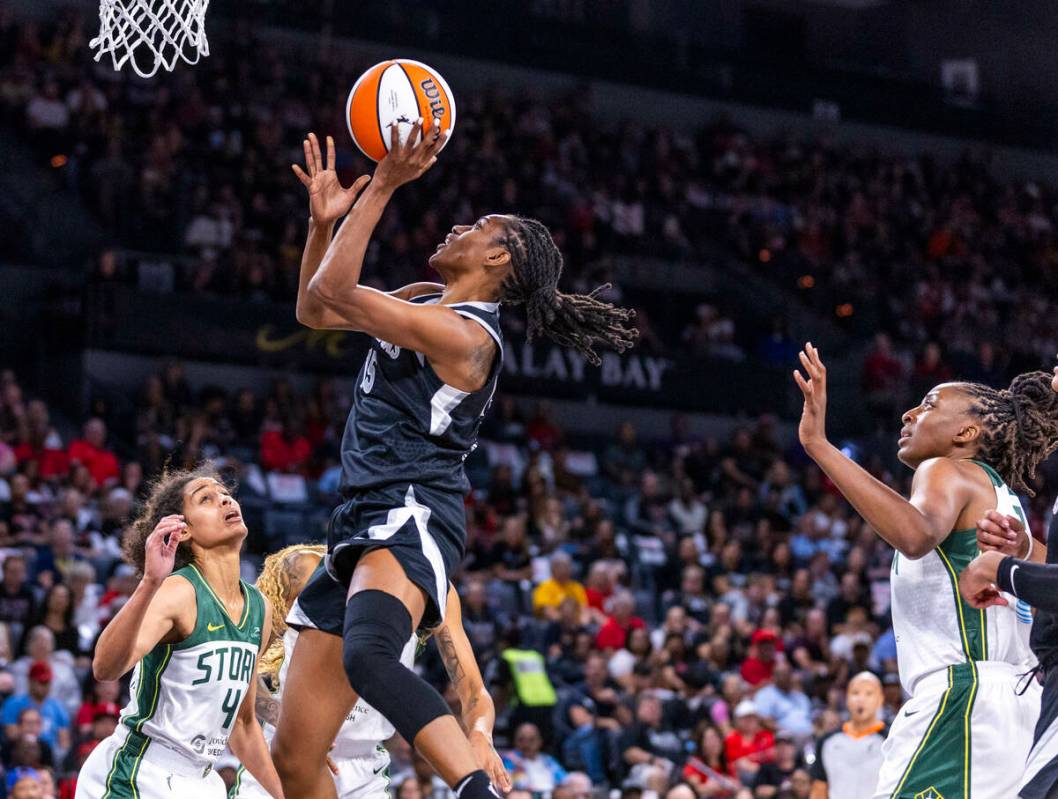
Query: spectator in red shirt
pixel 758 667
pixel 613 633
pixel 38 442
pixel 749 744
pixel 91 452
pixel 599 587
pixel 285 450
pixel 102 695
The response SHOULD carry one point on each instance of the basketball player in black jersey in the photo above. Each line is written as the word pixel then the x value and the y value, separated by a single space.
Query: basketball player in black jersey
pixel 1032 577
pixel 429 377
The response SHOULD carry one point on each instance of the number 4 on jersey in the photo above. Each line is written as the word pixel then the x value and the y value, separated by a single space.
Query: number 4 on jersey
pixel 231 705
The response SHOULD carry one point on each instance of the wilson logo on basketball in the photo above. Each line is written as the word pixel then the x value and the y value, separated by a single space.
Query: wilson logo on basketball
pixel 433 94
pixel 393 95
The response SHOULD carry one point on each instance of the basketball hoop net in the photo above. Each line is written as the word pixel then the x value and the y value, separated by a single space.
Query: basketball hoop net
pixel 150 34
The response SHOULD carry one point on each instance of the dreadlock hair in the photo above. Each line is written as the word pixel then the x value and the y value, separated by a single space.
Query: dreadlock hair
pixel 1020 426
pixel 166 498
pixel 579 321
pixel 274 583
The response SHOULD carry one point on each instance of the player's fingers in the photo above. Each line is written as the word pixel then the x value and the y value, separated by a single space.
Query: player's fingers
pixel 1002 520
pixel 816 359
pixel 414 142
pixel 332 766
pixel 996 538
pixel 317 159
pixel 802 384
pixel 310 163
pixel 299 173
pixel 394 137
pixel 329 163
pixel 163 527
pixel 989 527
pixel 809 365
pixel 359 183
pixel 503 776
pixel 435 143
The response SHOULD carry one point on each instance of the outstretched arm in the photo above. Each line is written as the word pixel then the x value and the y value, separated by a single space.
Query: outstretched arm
pixel 992 572
pixel 328 202
pixel 477 708
pixel 913 527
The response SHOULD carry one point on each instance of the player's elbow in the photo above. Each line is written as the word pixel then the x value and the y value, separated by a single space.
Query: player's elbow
pixel 308 315
pixel 320 291
pixel 104 671
pixel 917 548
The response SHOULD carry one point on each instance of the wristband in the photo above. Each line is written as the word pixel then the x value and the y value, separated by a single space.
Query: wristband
pixel 1003 575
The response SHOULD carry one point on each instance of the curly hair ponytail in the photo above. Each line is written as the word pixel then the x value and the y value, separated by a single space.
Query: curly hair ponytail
pixel 274 583
pixel 1021 426
pixel 579 321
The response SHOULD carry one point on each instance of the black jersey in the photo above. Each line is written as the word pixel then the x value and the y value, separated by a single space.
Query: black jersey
pixel 406 424
pixel 1044 636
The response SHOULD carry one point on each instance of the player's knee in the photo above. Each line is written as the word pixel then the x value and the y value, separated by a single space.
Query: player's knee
pixel 288 764
pixel 377 626
pixel 364 657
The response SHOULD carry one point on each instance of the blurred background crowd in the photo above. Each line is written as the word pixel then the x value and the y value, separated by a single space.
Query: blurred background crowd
pixel 698 596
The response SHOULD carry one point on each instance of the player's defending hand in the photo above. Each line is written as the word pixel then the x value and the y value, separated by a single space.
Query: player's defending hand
pixel 812 429
pixel 999 533
pixel 405 162
pixel 977 583
pixel 328 200
pixel 161 548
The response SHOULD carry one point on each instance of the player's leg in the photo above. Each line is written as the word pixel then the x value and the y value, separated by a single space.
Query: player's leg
pixel 364 777
pixel 927 747
pixel 1001 727
pixel 1040 780
pixel 92 778
pixel 384 607
pixel 316 700
pixel 316 695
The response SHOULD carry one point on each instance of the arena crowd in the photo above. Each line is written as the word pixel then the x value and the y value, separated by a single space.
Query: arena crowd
pixel 698 604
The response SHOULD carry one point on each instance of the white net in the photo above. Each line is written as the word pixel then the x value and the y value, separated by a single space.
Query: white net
pixel 150 34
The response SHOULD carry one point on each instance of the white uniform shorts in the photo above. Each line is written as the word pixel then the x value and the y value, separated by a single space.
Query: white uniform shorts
pixel 362 776
pixel 131 766
pixel 965 732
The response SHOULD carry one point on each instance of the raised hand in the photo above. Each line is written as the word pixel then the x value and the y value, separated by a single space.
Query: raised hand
pixel 405 162
pixel 328 200
pixel 997 532
pixel 812 429
pixel 161 547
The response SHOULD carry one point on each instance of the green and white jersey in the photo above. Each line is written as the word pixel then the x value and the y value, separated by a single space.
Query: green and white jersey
pixel 934 627
pixel 185 696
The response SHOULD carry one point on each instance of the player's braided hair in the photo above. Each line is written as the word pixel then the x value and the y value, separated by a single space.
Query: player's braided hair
pixel 274 585
pixel 166 498
pixel 1020 426
pixel 579 321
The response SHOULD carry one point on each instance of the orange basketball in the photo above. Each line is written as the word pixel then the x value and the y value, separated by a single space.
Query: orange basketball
pixel 398 91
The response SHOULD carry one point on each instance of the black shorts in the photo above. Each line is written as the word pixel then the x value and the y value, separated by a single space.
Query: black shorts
pixel 320 605
pixel 424 528
pixel 1041 769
